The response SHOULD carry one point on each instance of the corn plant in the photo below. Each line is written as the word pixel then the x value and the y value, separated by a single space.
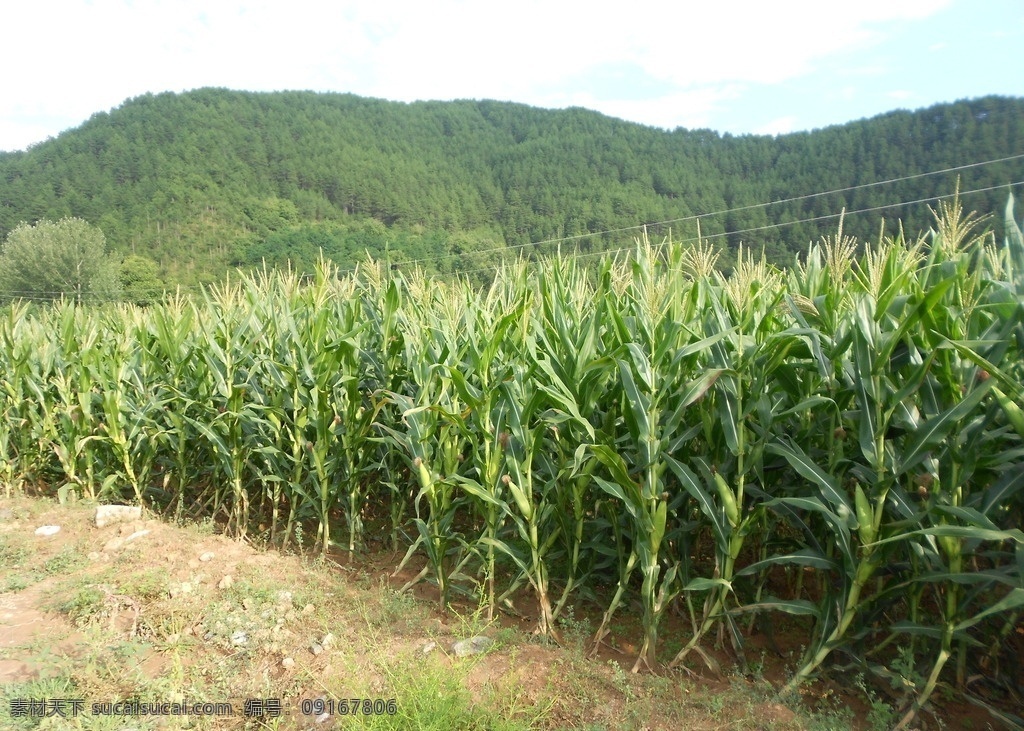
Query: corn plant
pixel 747 356
pixel 432 445
pixel 853 426
pixel 384 349
pixel 532 490
pixel 430 437
pixel 476 378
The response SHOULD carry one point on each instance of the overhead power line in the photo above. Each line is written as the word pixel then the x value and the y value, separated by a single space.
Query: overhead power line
pixel 752 206
pixel 770 226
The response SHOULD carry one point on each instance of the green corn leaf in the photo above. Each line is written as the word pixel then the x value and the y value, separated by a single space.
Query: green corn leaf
pixel 966 515
pixel 967 532
pixel 914 628
pixel 808 404
pixel 1007 382
pixel 1003 490
pixel 807 468
pixel 841 527
pixel 703 584
pixel 971 532
pixel 507 550
pixel 615 490
pixel 658 527
pixel 798 607
pixel 866 394
pixel 937 429
pixel 729 419
pixel 1013 600
pixel 696 389
pixel 476 490
pixel 629 491
pixel 803 557
pixel 695 487
pixel 985 579
pixel 639 403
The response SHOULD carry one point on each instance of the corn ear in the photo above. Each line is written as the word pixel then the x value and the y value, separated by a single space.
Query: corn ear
pixel 725 493
pixel 1014 414
pixel 865 516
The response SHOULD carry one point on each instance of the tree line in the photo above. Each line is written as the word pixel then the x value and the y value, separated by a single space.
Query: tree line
pixel 199 182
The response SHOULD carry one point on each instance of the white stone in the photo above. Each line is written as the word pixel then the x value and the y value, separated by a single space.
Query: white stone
pixel 472 646
pixel 107 514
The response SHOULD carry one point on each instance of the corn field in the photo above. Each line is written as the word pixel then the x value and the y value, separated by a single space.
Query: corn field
pixel 838 446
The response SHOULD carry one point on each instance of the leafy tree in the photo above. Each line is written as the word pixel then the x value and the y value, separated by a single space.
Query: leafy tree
pixel 51 260
pixel 139 279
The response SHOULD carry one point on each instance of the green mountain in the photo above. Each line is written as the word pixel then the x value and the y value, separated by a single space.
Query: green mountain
pixel 213 178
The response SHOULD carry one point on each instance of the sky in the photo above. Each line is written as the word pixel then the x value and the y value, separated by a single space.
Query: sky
pixel 730 66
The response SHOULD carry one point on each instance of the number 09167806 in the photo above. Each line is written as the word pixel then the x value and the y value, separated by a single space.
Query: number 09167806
pixel 349 706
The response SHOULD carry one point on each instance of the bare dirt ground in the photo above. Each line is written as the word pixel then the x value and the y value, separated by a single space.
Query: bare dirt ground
pixel 167 614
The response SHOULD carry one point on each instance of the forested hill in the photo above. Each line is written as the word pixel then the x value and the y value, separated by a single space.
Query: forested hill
pixel 207 179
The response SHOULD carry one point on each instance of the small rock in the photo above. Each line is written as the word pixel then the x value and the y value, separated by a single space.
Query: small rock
pixel 207 556
pixel 226 582
pixel 284 597
pixel 137 534
pixel 472 646
pixel 239 638
pixel 316 648
pixel 181 589
pixel 47 530
pixel 327 641
pixel 113 544
pixel 94 556
pixel 288 662
pixel 323 718
pixel 428 648
pixel 308 609
pixel 107 514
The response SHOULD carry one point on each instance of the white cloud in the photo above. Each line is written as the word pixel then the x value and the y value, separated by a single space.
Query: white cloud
pixel 779 126
pixel 692 109
pixel 72 58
